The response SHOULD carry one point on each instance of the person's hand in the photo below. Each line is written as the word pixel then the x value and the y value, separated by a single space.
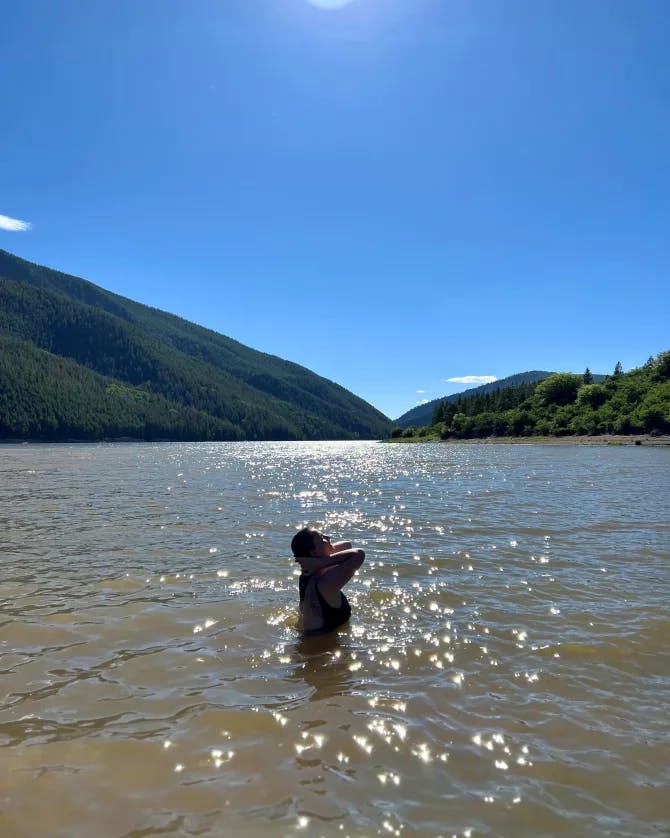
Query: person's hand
pixel 308 564
pixel 314 564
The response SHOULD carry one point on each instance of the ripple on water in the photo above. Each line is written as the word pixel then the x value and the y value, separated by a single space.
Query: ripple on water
pixel 505 671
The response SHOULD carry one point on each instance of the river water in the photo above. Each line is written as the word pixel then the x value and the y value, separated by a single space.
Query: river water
pixel 505 671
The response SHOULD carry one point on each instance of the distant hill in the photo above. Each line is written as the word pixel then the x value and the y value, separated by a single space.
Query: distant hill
pixel 422 414
pixel 562 404
pixel 79 362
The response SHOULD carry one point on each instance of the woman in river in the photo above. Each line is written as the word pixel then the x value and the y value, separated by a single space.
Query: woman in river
pixel 326 569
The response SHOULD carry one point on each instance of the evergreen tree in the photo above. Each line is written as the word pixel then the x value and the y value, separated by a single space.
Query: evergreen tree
pixel 168 378
pixel 588 377
pixel 563 404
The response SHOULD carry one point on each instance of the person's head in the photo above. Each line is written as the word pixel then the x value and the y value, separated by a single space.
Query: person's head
pixel 309 542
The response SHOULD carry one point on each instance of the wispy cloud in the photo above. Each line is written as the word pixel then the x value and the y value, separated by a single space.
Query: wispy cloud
pixel 420 391
pixel 13 225
pixel 472 379
pixel 423 401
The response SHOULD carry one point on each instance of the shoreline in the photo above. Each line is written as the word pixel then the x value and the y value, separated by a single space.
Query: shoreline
pixel 603 439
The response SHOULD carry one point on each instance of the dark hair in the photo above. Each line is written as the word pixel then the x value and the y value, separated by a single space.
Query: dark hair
pixel 302 543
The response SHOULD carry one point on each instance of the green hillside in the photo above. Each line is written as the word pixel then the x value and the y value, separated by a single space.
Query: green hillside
pixel 422 413
pixel 559 405
pixel 77 361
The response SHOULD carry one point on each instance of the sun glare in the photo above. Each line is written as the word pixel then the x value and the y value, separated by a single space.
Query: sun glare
pixel 329 4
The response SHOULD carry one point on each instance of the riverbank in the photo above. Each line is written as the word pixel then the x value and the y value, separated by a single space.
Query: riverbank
pixel 603 439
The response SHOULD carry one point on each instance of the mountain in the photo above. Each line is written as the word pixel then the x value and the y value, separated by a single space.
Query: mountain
pixel 422 414
pixel 79 362
pixel 563 404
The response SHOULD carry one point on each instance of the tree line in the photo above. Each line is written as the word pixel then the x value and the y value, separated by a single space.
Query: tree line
pixel 132 371
pixel 635 402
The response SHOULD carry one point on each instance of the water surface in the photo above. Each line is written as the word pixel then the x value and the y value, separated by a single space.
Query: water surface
pixel 505 672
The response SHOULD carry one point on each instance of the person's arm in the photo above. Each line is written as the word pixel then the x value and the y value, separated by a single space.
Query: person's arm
pixel 335 578
pixel 313 564
pixel 341 545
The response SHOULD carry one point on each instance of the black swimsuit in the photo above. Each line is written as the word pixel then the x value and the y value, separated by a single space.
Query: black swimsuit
pixel 332 617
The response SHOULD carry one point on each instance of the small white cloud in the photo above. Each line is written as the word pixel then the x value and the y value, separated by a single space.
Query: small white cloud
pixel 472 379
pixel 13 225
pixel 420 391
pixel 423 401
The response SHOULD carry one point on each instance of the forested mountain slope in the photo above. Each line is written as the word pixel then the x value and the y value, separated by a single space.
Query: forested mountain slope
pixel 422 414
pixel 562 404
pixel 136 371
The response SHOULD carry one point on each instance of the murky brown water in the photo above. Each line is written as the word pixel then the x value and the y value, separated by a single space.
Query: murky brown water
pixel 506 670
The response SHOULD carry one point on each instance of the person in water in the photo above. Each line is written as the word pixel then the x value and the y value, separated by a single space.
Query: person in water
pixel 326 569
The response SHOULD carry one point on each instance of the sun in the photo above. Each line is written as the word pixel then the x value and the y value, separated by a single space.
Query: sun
pixel 330 4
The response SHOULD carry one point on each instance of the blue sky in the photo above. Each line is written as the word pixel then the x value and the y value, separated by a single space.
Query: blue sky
pixel 392 193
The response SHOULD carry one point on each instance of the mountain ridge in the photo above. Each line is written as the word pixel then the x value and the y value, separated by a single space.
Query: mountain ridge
pixel 153 351
pixel 421 415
